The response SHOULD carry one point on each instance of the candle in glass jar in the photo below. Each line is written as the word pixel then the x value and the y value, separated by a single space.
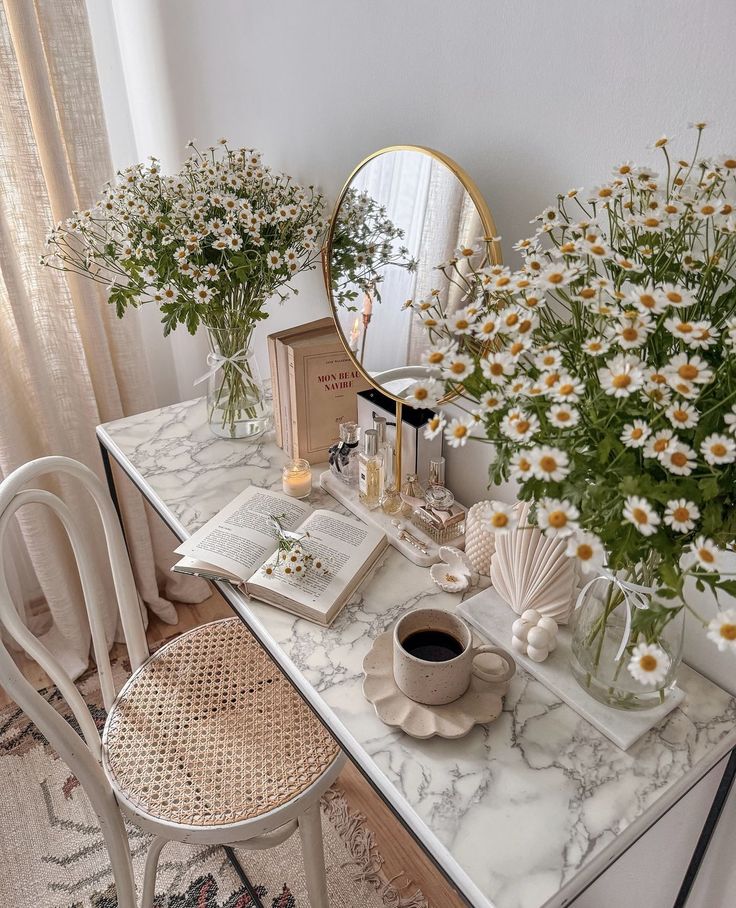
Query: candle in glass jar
pixel 297 478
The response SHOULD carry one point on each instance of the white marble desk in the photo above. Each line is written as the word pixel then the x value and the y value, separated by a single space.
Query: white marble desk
pixel 523 813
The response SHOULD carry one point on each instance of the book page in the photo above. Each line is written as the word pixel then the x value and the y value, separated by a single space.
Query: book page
pixel 344 546
pixel 240 537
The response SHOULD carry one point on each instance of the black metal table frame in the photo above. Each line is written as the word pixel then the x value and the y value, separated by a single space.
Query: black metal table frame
pixel 701 846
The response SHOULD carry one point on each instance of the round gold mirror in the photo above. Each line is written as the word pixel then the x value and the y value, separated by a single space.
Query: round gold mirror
pixel 403 211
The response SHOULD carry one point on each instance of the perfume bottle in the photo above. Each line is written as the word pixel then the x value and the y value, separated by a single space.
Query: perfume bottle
pixel 370 471
pixel 391 499
pixel 412 495
pixel 344 454
pixel 439 517
pixel 384 448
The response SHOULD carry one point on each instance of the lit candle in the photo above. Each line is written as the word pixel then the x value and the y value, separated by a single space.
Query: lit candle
pixel 297 478
pixel 355 334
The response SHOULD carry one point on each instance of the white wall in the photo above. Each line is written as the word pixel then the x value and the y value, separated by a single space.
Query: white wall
pixel 529 97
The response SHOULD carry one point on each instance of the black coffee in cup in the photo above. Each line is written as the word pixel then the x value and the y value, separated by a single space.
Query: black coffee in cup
pixel 432 646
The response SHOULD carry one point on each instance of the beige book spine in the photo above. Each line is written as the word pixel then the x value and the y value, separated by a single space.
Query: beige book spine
pixel 275 390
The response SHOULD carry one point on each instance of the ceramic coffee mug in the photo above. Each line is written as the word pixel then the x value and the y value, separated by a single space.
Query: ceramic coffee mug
pixel 433 657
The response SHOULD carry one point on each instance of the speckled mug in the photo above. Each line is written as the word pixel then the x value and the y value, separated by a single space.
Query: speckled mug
pixel 435 683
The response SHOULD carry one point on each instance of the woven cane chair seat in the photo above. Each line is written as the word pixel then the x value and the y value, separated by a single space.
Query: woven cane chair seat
pixel 209 732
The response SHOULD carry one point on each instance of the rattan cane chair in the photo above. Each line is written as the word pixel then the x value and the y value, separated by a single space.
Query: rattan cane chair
pixel 206 743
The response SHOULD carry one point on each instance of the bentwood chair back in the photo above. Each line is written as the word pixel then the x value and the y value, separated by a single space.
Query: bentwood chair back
pixel 206 742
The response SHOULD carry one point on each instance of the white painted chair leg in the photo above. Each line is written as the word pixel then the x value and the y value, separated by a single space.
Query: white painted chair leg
pixel 310 829
pixel 149 875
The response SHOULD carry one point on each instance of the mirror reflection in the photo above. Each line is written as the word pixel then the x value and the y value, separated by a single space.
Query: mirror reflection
pixel 404 213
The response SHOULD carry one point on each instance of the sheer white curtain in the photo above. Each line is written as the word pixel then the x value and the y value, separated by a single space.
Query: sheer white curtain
pixel 401 182
pixel 67 362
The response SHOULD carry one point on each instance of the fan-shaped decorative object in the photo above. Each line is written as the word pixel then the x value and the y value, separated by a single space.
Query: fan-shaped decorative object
pixel 530 571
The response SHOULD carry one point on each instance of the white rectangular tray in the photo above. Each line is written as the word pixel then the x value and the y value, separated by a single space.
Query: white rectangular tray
pixel 490 615
pixel 348 496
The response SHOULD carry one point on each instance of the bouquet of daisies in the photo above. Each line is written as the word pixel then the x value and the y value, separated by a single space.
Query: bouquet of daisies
pixel 209 246
pixel 603 372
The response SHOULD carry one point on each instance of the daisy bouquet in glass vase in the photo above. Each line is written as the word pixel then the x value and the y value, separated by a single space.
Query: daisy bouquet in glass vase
pixel 209 246
pixel 603 372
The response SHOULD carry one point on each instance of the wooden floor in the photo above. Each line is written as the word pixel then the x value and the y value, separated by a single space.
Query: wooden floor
pixel 401 854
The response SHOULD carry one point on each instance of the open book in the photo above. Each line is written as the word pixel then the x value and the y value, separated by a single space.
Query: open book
pixel 239 543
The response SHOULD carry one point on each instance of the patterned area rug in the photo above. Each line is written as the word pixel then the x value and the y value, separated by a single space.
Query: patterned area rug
pixel 52 853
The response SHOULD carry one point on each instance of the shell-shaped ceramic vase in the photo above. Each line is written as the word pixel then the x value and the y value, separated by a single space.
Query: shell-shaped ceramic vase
pixel 531 571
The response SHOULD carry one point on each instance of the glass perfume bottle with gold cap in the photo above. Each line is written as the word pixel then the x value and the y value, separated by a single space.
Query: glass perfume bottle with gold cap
pixel 370 471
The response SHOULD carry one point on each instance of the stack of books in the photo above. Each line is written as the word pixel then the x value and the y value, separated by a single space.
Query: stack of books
pixel 314 383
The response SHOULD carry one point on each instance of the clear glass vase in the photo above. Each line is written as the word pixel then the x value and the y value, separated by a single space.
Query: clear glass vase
pixel 237 404
pixel 624 653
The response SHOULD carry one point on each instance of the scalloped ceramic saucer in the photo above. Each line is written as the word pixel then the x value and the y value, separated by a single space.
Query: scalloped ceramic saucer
pixel 480 704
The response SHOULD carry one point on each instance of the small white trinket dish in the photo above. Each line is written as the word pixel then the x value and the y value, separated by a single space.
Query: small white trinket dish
pixel 453 572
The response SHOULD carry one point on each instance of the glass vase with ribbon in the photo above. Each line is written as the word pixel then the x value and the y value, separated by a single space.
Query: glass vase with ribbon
pixel 626 645
pixel 237 403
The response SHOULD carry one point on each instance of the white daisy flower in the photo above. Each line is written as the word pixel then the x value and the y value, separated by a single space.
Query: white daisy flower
pixel 704 335
pixel 519 426
pixel 649 664
pixel 497 367
pixel 722 630
pixel 548 360
pixel 549 215
pixel 681 515
pixel 459 431
pixel 458 366
pixel 500 517
pixel 634 434
pixel 678 459
pixel 706 208
pixel 169 293
pixel 596 346
pixel 557 518
pixel 632 332
pixel 683 371
pixel 486 328
pixel 424 393
pixel 621 376
pixel 563 416
pixel 517 347
pixel 682 415
pixel 639 512
pixel 434 426
pixel 556 276
pixel 436 357
pixel 650 221
pixel 461 322
pixel 274 259
pixel 203 294
pixel 491 400
pixel 604 193
pixel 659 443
pixel 648 299
pixel 677 296
pixel 587 548
pixel 550 464
pixel 707 553
pixel 567 389
pixel 521 467
pixel 718 449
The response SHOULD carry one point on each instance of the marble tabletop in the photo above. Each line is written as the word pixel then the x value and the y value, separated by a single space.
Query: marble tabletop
pixel 522 813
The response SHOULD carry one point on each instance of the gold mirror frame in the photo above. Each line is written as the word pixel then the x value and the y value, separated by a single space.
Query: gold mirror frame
pixel 489 230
